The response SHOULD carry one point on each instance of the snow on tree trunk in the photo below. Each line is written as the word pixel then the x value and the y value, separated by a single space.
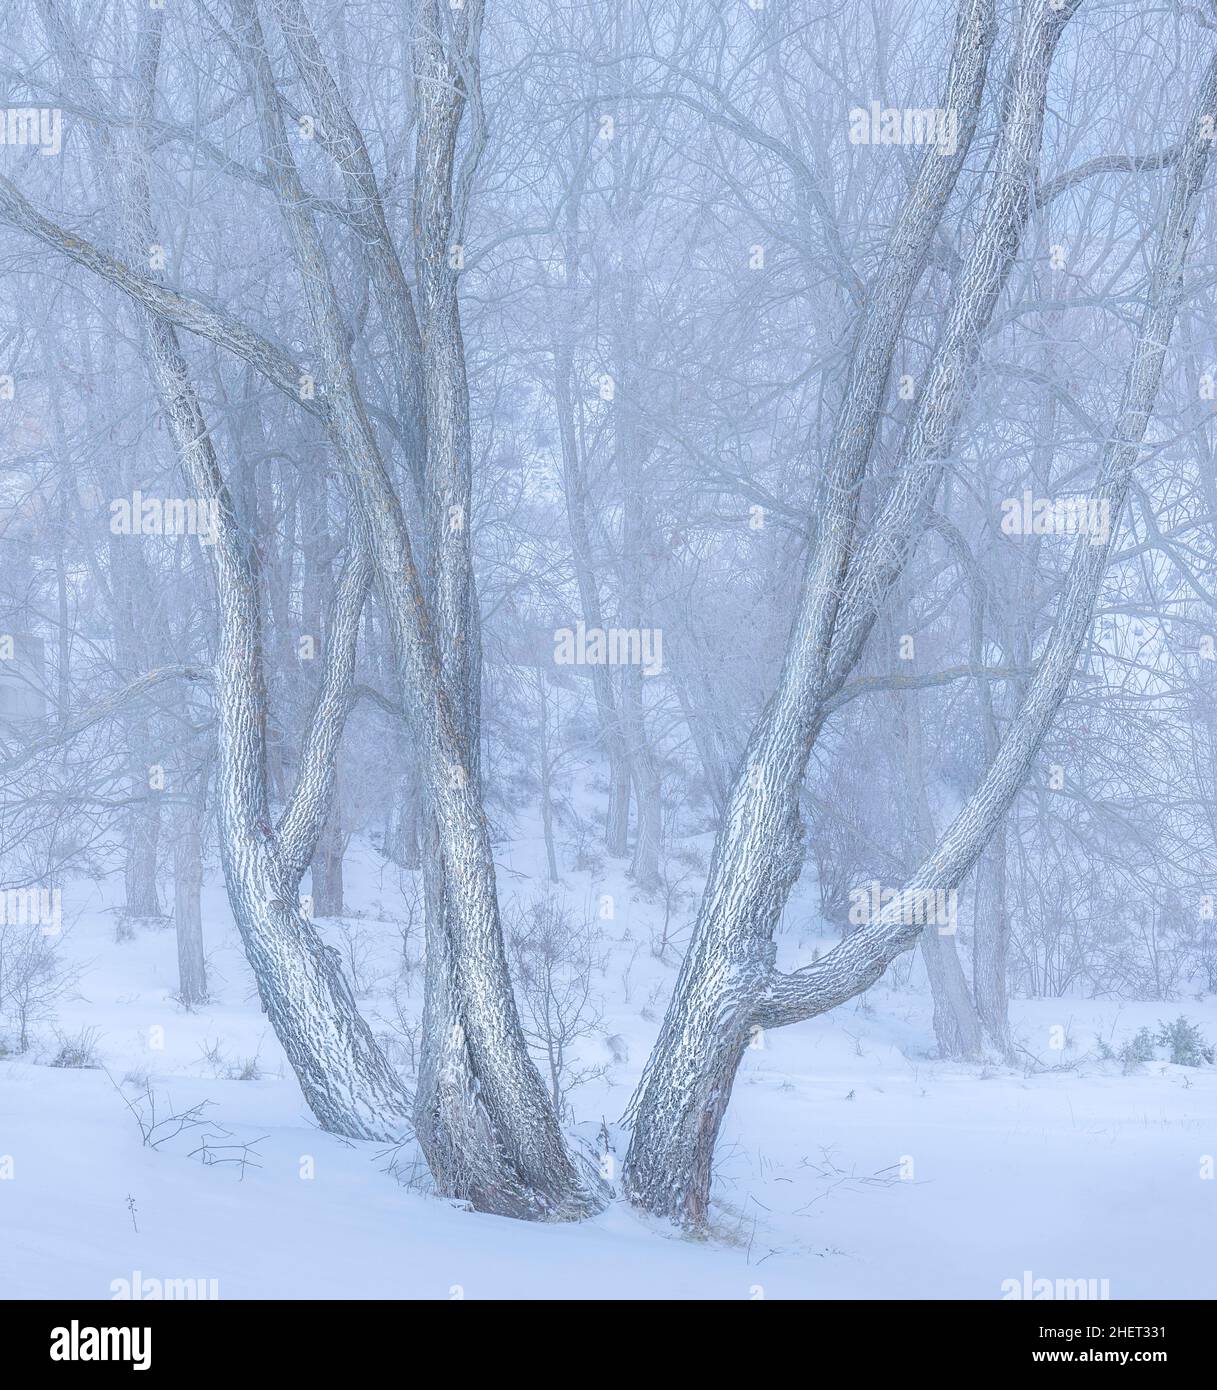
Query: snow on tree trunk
pixel 757 854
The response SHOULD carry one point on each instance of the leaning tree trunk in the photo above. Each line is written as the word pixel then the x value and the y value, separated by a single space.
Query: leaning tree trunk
pixel 345 1078
pixel 540 1177
pixel 758 851
pixel 483 1116
pixel 684 1093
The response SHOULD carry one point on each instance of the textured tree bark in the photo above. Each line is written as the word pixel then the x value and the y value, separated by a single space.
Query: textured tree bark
pixel 339 626
pixel 859 960
pixel 758 853
pixel 931 435
pixel 482 1114
pixel 728 984
pixel 346 1081
pixel 514 1133
pixel 325 870
pixel 455 1135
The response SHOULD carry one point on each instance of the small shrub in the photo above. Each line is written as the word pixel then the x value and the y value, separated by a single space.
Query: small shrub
pixel 1185 1042
pixel 79 1052
pixel 1138 1049
pixel 1180 1042
pixel 357 955
pixel 553 955
pixel 33 977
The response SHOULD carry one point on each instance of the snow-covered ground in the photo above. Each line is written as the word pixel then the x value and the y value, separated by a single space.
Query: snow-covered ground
pixel 851 1163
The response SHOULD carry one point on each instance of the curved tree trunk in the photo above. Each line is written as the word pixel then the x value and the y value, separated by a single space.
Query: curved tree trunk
pixel 482 1114
pixel 671 1173
pixel 526 1148
pixel 345 1079
pixel 758 852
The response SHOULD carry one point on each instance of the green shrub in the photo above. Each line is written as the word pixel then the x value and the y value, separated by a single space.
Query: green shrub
pixel 1138 1049
pixel 1185 1042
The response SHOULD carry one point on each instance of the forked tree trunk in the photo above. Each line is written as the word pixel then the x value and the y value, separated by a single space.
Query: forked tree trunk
pixel 482 1114
pixel 688 1081
pixel 348 1084
pixel 526 1149
pixel 758 852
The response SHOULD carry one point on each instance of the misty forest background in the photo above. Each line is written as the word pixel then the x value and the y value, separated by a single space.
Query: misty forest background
pixel 459 330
